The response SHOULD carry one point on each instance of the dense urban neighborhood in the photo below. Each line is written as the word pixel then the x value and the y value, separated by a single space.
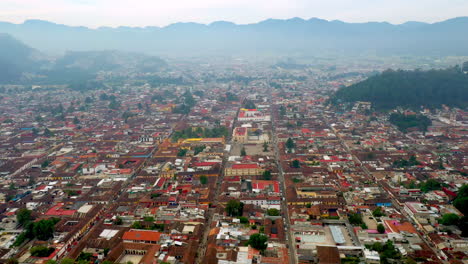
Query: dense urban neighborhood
pixel 229 163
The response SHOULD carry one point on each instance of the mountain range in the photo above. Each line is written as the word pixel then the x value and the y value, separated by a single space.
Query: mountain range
pixel 21 64
pixel 270 37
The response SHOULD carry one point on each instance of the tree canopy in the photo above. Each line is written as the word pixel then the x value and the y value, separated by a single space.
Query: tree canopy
pixel 461 201
pixel 405 122
pixel 258 241
pixel 23 216
pixel 234 208
pixel 409 89
pixel 449 219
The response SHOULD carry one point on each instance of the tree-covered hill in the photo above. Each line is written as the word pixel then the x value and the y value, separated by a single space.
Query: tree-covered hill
pixel 409 89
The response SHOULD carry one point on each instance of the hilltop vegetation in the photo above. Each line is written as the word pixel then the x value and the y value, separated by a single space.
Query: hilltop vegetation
pixel 409 89
pixel 405 122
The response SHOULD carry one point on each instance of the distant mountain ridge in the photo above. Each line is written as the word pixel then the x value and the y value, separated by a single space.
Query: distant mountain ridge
pixel 312 36
pixel 20 63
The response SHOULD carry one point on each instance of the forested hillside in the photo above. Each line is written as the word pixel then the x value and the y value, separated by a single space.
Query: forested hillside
pixel 409 89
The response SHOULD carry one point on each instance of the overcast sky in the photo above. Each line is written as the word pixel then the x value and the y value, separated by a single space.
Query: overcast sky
pixel 95 13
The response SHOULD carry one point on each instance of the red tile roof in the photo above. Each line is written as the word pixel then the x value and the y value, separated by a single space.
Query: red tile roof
pixel 142 235
pixel 244 166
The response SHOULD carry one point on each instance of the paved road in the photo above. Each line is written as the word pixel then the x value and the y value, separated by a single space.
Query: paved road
pixel 284 204
pixel 204 240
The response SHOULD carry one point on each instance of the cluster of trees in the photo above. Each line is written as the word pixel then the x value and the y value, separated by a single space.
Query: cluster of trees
pixel 148 224
pixel 449 219
pixel 461 201
pixel 234 208
pixel 258 241
pixel 203 179
pixel 430 185
pixel 356 219
pixel 182 152
pixel 402 163
pixel 230 97
pixel 409 89
pixel 41 251
pixel 282 110
pixel 200 133
pixel 266 175
pixel 290 144
pixel 198 149
pixel 41 230
pixel 388 253
pixel 296 164
pixel 273 212
pixel 243 152
pixel 186 105
pixel 249 104
pixel 404 122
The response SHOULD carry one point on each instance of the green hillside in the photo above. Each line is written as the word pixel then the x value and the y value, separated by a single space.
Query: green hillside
pixel 409 89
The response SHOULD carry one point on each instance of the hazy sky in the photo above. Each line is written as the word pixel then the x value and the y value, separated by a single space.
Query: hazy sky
pixel 95 13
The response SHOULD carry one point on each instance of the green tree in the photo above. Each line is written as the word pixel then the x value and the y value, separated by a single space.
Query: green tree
pixel 265 146
pixel 45 163
pixel 243 152
pixel 258 241
pixel 378 212
pixel 450 219
pixel 295 164
pixel 267 175
pixel 355 219
pixel 137 225
pixel 48 133
pixel 234 208
pixel 290 144
pixel 273 212
pixel 381 228
pixel 198 149
pixel 44 229
pixel 282 110
pixel 23 216
pixel 41 251
pixel 182 152
pixel 118 221
pixel 76 121
pixel 243 220
pixel 249 105
pixel 461 201
pixel 51 261
pixel 203 179
pixel 430 185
